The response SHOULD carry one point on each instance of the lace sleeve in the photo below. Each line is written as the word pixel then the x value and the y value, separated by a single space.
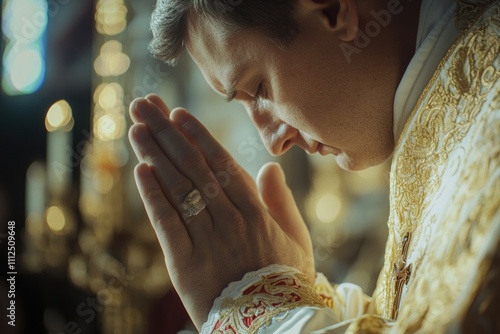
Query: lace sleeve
pixel 253 302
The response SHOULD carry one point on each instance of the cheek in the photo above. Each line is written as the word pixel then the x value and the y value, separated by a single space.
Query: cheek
pixel 308 98
pixel 294 102
pixel 308 111
pixel 295 114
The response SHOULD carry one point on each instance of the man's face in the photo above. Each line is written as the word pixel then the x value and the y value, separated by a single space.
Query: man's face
pixel 307 94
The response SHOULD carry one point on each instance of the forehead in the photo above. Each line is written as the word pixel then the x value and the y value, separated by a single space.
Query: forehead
pixel 220 55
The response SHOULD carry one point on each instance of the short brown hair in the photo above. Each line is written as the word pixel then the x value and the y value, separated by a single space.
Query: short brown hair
pixel 168 22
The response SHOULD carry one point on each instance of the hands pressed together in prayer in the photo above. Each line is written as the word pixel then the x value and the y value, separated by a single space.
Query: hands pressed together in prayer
pixel 244 227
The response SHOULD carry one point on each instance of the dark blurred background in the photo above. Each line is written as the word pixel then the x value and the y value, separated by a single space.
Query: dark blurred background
pixel 46 299
pixel 87 260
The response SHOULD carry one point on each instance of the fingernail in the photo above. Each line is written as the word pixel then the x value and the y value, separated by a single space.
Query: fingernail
pixel 133 105
pixel 139 105
pixel 179 116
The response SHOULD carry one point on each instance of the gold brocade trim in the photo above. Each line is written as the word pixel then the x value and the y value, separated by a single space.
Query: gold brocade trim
pixel 454 119
pixel 273 295
pixel 468 11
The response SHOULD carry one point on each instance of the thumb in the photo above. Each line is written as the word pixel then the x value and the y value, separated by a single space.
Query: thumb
pixel 279 201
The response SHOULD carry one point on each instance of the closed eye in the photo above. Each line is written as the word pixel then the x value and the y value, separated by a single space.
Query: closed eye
pixel 259 95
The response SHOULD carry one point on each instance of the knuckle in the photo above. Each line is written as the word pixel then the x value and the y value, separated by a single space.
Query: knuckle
pixel 223 178
pixel 163 217
pixel 254 207
pixel 236 220
pixel 158 128
pixel 159 213
pixel 150 157
pixel 189 159
pixel 153 196
pixel 221 159
pixel 181 188
pixel 260 215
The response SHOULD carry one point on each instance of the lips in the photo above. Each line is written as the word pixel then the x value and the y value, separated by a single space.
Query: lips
pixel 325 150
pixel 318 147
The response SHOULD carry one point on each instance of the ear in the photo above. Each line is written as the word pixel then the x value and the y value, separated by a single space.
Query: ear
pixel 338 16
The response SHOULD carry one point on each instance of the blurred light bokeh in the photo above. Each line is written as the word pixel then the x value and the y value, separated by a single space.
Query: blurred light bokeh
pixel 24 24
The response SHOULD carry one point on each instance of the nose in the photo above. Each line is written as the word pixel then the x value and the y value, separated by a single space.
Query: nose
pixel 277 135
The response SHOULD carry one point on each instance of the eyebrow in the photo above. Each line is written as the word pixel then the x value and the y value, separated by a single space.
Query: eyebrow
pixel 235 78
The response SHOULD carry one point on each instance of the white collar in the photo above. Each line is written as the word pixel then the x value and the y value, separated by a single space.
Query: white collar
pixel 436 33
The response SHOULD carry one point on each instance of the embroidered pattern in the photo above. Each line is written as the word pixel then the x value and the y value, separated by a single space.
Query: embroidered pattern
pixel 271 296
pixel 445 186
pixel 468 11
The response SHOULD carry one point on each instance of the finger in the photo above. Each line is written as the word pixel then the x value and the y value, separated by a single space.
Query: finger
pixel 154 99
pixel 249 181
pixel 278 198
pixel 131 109
pixel 158 101
pixel 172 235
pixel 174 185
pixel 244 174
pixel 234 179
pixel 185 157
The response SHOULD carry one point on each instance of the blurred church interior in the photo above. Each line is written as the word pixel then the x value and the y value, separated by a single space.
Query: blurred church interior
pixel 88 260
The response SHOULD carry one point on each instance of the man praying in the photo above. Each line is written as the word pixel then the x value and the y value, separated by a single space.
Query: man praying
pixel 364 81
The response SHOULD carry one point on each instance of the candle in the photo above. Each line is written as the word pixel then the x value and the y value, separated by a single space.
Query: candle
pixel 59 122
pixel 58 162
pixel 35 189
